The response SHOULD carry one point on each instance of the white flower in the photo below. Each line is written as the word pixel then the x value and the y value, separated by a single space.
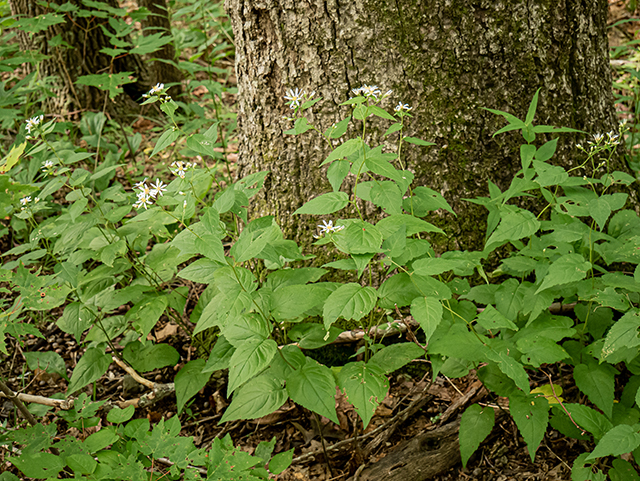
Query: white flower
pixel 141 184
pixel 25 200
pixel 328 227
pixel 402 107
pixel 47 165
pixel 598 138
pixel 36 200
pixel 143 201
pixel 158 188
pixel 156 89
pixel 295 97
pixel 613 138
pixel 180 168
pixel 33 122
pixel 368 91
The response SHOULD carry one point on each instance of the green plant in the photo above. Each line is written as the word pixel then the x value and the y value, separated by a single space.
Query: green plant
pixel 78 246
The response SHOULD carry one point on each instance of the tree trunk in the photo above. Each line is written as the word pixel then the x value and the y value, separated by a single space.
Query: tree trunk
pixel 80 56
pixel 447 60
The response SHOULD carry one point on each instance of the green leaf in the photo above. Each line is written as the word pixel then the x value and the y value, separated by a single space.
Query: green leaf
pixel 619 440
pixel 300 127
pixel 249 359
pixel 81 463
pixel 288 277
pixel 37 24
pixel 220 355
pixel 75 320
pixel 118 415
pixel 359 237
pixel 599 210
pixel 292 301
pixel 345 149
pixel 312 336
pixel 416 141
pixel 491 319
pixel 189 381
pixel 531 414
pixel 623 471
pixel 623 334
pixel 537 350
pixel 350 301
pixel 432 266
pixel 200 271
pixel 380 112
pixel 428 312
pixel 532 109
pixel 313 387
pixel 476 424
pixel 396 243
pixel 39 465
pixel 380 164
pixel 110 82
pixel 101 439
pixel 145 358
pixel 166 139
pixel 365 387
pixel 527 151
pixel 424 200
pixel 337 172
pixel 392 223
pixel 337 130
pixel 262 396
pixel 280 462
pixel 393 357
pixel 144 315
pixel 547 150
pixel 12 158
pixel 149 43
pixel 589 419
pixel 514 226
pixel 511 368
pixel 597 382
pixel 393 128
pixel 47 361
pixel 325 204
pixel 387 196
pixel 568 268
pixel 92 365
pixel 247 326
pixel 252 241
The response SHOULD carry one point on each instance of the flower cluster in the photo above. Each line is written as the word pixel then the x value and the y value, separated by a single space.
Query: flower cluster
pixel 26 200
pixel 158 91
pixel 297 97
pixel 328 228
pixel 47 166
pixel 147 193
pixel 32 123
pixel 601 141
pixel 371 91
pixel 179 168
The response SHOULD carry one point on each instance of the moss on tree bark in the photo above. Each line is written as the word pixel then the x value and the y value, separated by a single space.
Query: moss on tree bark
pixel 446 59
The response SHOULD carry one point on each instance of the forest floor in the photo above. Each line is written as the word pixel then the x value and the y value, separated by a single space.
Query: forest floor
pixel 323 450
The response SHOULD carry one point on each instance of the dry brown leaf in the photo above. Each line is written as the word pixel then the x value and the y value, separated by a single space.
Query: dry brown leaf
pixel 167 331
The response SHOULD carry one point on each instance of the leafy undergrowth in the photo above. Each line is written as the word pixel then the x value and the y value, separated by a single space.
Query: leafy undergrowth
pixel 167 334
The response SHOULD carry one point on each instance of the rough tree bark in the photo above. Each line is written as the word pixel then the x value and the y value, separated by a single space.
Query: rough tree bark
pixel 446 59
pixel 84 37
